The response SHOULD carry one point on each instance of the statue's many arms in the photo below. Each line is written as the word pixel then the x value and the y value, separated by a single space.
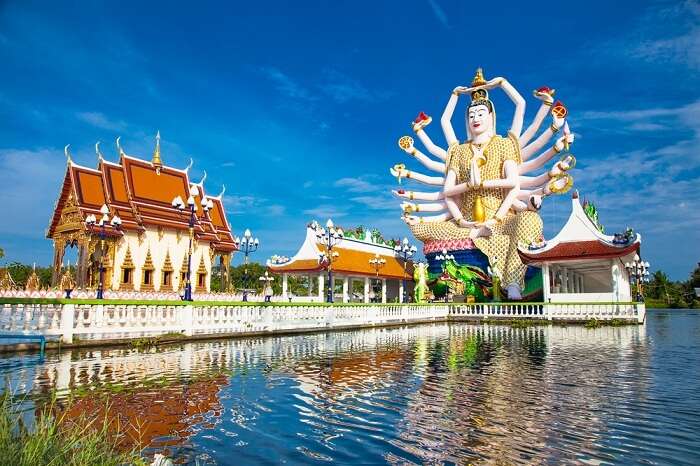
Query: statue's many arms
pixel 486 195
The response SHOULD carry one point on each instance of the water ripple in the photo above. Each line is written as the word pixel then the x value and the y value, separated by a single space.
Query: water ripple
pixel 435 394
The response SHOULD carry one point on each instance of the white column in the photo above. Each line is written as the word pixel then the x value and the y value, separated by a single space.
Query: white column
pixel 545 283
pixel 320 286
pixel 400 291
pixel 564 280
pixel 284 286
pixel 384 290
pixel 366 295
pixel 346 295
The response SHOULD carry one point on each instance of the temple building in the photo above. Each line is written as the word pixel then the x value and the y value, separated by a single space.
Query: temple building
pixel 581 263
pixel 148 251
pixel 362 255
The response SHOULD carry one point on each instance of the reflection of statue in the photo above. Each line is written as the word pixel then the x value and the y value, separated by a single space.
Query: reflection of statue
pixel 420 276
pixel 485 199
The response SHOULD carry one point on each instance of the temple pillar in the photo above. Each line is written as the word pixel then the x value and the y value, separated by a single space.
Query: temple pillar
pixel 545 283
pixel 59 249
pixel 384 290
pixel 320 286
pixel 284 286
pixel 401 291
pixel 82 265
pixel 225 270
pixel 366 294
pixel 346 295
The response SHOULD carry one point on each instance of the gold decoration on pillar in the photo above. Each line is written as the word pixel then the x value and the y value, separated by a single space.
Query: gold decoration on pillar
pixel 157 162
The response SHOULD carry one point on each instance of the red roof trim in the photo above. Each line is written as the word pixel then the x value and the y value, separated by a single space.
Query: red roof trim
pixel 577 250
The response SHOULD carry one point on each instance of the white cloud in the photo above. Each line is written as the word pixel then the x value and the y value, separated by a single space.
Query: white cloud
pixel 439 13
pixel 355 185
pixel 325 211
pixel 100 120
pixel 285 84
pixel 32 179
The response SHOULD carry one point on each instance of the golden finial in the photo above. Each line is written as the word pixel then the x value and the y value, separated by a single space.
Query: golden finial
pixel 478 78
pixel 65 151
pixel 157 162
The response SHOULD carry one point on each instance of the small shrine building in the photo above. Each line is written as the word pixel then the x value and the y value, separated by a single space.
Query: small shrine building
pixel 355 251
pixel 581 263
pixel 150 249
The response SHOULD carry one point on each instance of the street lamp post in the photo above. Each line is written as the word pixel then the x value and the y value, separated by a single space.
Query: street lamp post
pixel 116 223
pixel 377 262
pixel 329 237
pixel 405 252
pixel 444 256
pixel 638 271
pixel 179 204
pixel 246 245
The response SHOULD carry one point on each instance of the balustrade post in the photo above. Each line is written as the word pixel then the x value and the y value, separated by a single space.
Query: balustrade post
pixel 67 320
pixel 641 312
pixel 186 319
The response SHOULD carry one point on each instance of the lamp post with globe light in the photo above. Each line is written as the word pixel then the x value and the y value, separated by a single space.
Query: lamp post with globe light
pixel 377 262
pixel 247 245
pixel 179 204
pixel 116 223
pixel 638 271
pixel 329 237
pixel 405 251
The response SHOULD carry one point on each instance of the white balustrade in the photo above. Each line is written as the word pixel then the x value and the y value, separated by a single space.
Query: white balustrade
pixel 115 320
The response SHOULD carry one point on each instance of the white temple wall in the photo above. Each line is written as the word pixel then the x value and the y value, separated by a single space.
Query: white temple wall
pixel 160 244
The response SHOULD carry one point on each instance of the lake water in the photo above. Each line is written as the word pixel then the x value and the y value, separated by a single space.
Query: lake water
pixel 445 393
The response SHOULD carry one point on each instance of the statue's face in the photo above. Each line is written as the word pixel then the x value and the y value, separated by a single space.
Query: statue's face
pixel 479 120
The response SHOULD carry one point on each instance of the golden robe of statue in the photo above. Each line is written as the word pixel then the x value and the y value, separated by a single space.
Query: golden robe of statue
pixel 501 246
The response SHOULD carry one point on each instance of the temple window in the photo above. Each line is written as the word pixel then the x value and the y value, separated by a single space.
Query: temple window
pixel 201 280
pixel 148 270
pixel 127 272
pixel 167 278
pixel 127 276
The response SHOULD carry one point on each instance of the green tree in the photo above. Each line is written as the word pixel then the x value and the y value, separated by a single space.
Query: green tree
pixel 2 253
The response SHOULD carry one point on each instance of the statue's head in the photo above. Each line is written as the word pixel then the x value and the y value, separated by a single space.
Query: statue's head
pixel 480 113
pixel 480 118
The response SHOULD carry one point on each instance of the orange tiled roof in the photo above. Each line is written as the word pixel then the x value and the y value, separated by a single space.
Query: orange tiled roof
pixel 576 250
pixel 351 262
pixel 141 196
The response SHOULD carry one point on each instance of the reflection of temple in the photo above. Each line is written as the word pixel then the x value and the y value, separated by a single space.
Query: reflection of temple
pixel 581 264
pixel 355 251
pixel 149 252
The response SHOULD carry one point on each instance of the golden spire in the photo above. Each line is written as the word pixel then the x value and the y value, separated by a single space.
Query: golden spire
pixel 157 162
pixel 478 78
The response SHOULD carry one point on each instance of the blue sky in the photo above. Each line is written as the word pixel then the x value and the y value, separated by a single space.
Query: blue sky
pixel 297 106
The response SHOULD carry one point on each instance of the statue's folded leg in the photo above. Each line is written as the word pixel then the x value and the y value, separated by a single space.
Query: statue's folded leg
pixel 525 227
pixel 429 231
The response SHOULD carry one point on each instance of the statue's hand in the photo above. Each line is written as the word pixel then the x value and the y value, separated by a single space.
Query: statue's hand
pixel 462 90
pixel 564 141
pixel 411 219
pixel 493 83
pixel 545 94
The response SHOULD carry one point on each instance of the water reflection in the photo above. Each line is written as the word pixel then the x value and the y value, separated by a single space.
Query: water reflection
pixel 432 393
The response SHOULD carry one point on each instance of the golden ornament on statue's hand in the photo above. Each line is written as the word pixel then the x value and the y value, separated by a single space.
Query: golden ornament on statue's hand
pixel 405 142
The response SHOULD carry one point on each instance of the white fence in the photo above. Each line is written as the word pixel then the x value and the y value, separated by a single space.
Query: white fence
pixel 114 320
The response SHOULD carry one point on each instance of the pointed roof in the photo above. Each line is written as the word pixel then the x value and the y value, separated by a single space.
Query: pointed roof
pixel 353 259
pixel 579 239
pixel 140 193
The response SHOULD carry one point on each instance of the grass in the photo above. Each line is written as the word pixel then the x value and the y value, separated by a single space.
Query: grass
pixel 56 440
pixel 518 323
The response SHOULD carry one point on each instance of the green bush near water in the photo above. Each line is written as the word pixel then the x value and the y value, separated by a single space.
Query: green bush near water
pixel 52 440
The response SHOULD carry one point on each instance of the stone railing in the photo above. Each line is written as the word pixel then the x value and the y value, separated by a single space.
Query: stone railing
pixel 110 319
